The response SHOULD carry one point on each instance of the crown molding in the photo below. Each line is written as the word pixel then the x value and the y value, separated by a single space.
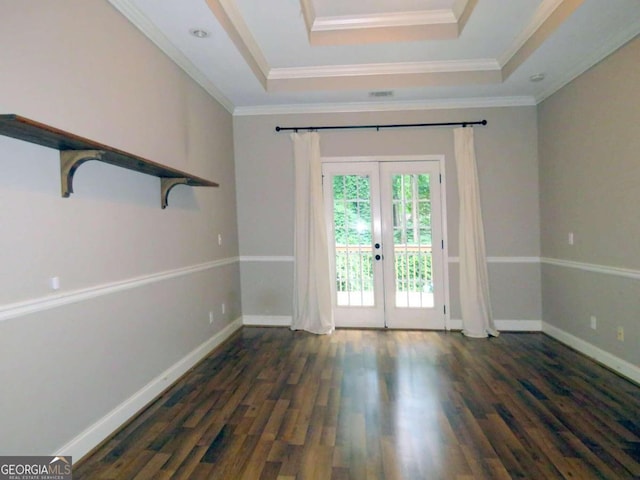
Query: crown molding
pixel 384 76
pixel 370 69
pixel 142 23
pixel 461 6
pixel 613 43
pixel 227 13
pixel 308 13
pixel 542 13
pixel 412 73
pixel 408 74
pixel 384 20
pixel 364 107
pixel 437 24
pixel 549 15
pixel 547 18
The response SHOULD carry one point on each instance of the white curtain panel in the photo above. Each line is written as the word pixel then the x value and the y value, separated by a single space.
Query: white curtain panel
pixel 475 302
pixel 312 310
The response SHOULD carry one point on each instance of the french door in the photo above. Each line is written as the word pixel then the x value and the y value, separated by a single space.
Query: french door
pixel 385 234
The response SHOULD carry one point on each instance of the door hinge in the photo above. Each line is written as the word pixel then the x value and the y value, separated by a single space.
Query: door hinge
pixel 442 244
pixel 440 177
pixel 445 309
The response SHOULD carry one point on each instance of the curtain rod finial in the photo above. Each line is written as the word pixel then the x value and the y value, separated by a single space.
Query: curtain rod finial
pixel 484 122
pixel 278 129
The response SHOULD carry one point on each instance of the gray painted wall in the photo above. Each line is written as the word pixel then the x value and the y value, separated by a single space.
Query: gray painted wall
pixel 590 185
pixel 508 171
pixel 80 66
pixel 64 368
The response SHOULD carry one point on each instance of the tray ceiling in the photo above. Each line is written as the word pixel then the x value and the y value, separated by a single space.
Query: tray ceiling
pixel 332 55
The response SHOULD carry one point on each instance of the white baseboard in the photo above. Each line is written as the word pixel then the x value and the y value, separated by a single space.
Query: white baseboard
pixel 624 368
pixel 267 320
pixel 519 325
pixel 103 428
pixel 504 325
pixel 454 324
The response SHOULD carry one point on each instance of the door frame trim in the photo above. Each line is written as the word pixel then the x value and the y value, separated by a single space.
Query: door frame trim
pixel 441 159
pixel 360 318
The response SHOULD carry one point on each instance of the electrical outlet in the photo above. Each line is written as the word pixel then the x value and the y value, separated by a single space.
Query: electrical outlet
pixel 224 309
pixel 54 283
pixel 620 335
pixel 219 239
pixel 570 238
pixel 210 318
pixel 594 322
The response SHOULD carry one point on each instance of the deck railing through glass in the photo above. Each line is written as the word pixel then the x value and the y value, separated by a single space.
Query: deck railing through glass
pixel 413 275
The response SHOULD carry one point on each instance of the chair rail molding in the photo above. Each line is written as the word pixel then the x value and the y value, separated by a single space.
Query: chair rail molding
pixel 19 309
pixel 592 267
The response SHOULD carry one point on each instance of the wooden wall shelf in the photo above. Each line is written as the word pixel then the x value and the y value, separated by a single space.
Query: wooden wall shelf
pixel 75 150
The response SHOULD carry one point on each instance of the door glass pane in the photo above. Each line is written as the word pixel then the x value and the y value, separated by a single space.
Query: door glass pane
pixel 352 223
pixel 412 240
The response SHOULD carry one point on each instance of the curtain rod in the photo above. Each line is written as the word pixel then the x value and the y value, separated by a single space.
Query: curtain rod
pixel 378 127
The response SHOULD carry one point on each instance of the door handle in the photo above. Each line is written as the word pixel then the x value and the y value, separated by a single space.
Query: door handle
pixel 377 245
pixel 378 257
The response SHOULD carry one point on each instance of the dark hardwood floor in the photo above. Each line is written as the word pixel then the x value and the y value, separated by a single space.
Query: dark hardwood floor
pixel 276 404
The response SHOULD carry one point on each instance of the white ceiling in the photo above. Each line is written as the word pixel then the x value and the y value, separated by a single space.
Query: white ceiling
pixel 264 56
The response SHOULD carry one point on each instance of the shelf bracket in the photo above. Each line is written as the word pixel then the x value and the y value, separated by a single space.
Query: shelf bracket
pixel 70 160
pixel 166 184
pixel 75 150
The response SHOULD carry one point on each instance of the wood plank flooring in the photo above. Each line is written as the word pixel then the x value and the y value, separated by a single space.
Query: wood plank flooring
pixel 276 404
